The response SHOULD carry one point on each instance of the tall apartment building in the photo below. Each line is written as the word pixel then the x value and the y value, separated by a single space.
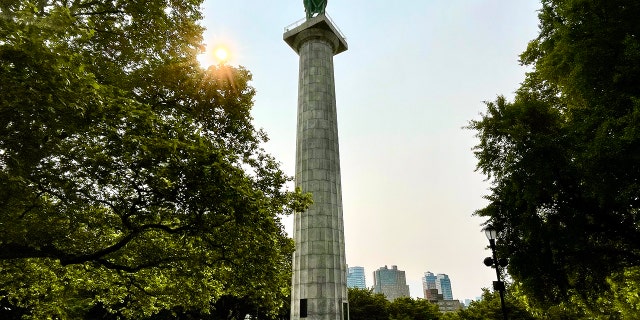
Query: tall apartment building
pixel 440 282
pixel 356 278
pixel 428 284
pixel 390 282
pixel 443 284
pixel 437 289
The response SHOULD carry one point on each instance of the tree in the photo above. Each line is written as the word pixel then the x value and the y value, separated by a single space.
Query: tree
pixel 563 156
pixel 131 178
pixel 490 308
pixel 407 308
pixel 365 305
pixel 623 296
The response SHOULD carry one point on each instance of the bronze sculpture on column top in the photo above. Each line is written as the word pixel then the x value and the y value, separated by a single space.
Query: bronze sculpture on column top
pixel 312 7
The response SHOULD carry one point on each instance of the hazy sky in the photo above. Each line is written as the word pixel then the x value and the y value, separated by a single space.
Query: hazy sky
pixel 415 73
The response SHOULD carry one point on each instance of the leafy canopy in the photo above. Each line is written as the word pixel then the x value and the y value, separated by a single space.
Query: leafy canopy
pixel 490 308
pixel 364 304
pixel 130 177
pixel 563 156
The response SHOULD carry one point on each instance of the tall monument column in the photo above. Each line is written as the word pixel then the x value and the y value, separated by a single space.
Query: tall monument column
pixel 319 285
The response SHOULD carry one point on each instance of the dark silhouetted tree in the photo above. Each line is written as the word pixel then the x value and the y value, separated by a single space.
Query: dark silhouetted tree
pixel 564 156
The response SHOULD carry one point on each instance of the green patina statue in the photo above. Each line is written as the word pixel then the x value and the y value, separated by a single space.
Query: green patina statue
pixel 312 7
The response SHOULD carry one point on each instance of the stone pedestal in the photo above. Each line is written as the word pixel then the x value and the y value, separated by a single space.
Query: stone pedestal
pixel 319 286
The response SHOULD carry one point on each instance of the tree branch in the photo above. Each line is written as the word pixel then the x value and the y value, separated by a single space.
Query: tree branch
pixel 95 13
pixel 132 269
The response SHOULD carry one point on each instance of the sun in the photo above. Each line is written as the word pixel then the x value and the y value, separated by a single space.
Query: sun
pixel 217 55
pixel 221 54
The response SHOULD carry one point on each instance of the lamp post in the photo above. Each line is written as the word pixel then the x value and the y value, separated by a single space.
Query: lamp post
pixel 492 234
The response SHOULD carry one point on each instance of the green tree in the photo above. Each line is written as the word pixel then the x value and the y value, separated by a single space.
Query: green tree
pixel 130 178
pixel 624 295
pixel 413 309
pixel 489 308
pixel 365 305
pixel 563 156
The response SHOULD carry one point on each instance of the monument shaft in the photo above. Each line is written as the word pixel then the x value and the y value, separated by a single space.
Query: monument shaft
pixel 319 290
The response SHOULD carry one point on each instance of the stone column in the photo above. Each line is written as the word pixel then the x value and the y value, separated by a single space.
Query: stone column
pixel 319 289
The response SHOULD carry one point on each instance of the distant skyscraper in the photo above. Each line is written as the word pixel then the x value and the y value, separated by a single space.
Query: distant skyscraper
pixel 440 282
pixel 390 282
pixel 356 278
pixel 443 284
pixel 428 283
pixel 467 302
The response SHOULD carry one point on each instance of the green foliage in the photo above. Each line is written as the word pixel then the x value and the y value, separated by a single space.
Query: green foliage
pixel 563 158
pixel 365 305
pixel 489 308
pixel 624 290
pixel 130 178
pixel 413 309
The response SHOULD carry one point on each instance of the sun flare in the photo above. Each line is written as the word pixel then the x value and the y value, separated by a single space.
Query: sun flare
pixel 219 54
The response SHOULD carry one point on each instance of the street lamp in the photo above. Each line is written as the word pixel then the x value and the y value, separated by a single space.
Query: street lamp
pixel 492 234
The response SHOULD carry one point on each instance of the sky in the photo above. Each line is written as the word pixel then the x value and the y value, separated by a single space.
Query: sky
pixel 416 72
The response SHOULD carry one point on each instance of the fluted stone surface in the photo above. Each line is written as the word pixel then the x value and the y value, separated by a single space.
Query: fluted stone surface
pixel 319 267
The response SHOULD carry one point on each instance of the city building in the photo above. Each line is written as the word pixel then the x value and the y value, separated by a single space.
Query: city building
pixel 443 284
pixel 356 278
pixel 428 285
pixel 437 290
pixel 432 295
pixel 449 305
pixel 392 283
pixel 467 302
